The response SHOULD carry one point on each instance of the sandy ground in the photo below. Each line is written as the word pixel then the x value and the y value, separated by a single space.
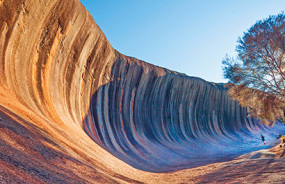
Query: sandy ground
pixel 53 57
pixel 28 155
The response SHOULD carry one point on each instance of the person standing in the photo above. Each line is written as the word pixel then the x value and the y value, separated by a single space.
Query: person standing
pixel 263 139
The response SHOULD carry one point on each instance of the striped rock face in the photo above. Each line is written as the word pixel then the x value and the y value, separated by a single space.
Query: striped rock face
pixel 160 121
pixel 78 111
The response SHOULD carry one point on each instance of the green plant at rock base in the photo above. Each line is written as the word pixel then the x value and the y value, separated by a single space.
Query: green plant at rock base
pixel 257 76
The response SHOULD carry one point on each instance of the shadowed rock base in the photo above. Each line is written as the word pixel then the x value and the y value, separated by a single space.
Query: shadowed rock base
pixel 74 110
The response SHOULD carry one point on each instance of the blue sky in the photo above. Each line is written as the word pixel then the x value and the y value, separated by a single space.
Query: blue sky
pixel 188 36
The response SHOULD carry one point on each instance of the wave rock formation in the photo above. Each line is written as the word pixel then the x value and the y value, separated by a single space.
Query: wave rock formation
pixel 73 109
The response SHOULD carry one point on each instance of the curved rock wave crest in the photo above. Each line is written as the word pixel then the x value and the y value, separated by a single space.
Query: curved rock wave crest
pixel 159 120
pixel 59 72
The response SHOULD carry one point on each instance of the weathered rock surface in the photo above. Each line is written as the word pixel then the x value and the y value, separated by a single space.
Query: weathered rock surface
pixel 63 88
pixel 159 121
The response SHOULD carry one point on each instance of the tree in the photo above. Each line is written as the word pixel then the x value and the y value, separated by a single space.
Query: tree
pixel 257 76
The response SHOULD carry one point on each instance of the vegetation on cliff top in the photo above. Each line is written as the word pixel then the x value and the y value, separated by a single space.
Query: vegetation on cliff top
pixel 257 76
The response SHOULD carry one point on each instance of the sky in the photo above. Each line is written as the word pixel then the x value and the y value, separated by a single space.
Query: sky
pixel 187 36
